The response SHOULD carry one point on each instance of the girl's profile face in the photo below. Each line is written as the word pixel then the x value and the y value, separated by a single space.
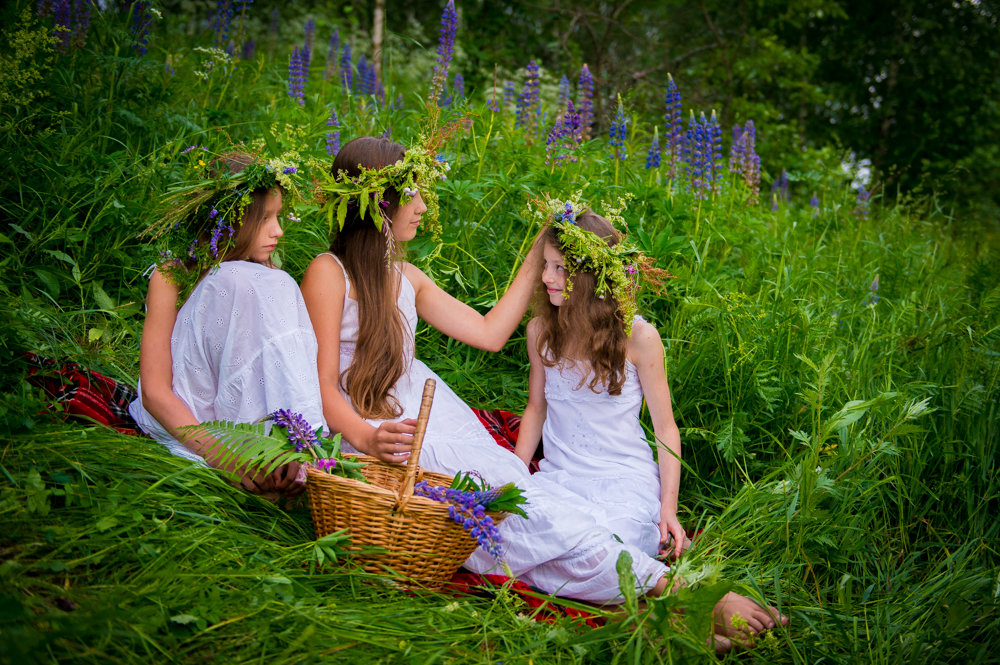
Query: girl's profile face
pixel 270 230
pixel 554 274
pixel 407 219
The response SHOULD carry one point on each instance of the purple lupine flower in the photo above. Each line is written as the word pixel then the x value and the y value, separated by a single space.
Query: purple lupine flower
pixel 300 434
pixel 698 155
pixel 528 99
pixel 327 464
pixel 861 209
pixel 748 161
pixel 307 44
pixel 674 137
pixel 814 204
pixel 446 48
pixel 714 165
pixel 249 49
pixel 223 17
pixel 81 22
pixel 296 79
pixel 563 91
pixel 779 189
pixel 508 94
pixel 736 149
pixel 618 133
pixel 333 136
pixel 216 237
pixel 44 8
pixel 398 104
pixel 288 170
pixel 458 86
pixel 653 156
pixel 563 138
pixel 331 55
pixel 585 101
pixel 346 68
pixel 363 79
pixel 142 19
pixel 61 14
pixel 467 510
pixel 493 104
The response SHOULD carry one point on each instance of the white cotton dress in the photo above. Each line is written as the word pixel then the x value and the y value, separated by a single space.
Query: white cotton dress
pixel 596 447
pixel 242 346
pixel 563 548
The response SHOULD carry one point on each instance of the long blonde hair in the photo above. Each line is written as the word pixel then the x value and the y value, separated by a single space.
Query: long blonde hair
pixel 379 357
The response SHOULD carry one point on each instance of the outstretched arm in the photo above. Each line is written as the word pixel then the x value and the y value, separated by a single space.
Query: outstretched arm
pixel 646 352
pixel 323 288
pixel 530 431
pixel 159 399
pixel 454 318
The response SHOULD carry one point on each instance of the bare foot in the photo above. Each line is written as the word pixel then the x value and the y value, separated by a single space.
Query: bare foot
pixel 723 645
pixel 740 617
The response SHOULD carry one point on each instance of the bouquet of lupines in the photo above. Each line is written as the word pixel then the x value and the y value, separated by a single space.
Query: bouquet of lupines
pixel 279 438
pixel 469 498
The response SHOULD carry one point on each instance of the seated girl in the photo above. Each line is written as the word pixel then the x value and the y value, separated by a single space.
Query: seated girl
pixel 227 335
pixel 590 371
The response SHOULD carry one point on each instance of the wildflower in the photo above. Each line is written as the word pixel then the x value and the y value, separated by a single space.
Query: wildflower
pixel 331 55
pixel 327 464
pixel 508 93
pixel 333 136
pixel 296 78
pixel 630 270
pixel 618 133
pixel 446 48
pixel 346 69
pixel 458 86
pixel 249 48
pixel 744 160
pixel 528 99
pixel 563 138
pixel 467 509
pixel 872 299
pixel 364 87
pixel 398 104
pixel 307 44
pixel 223 17
pixel 653 156
pixel 779 189
pixel 674 136
pixel 141 21
pixel 714 165
pixel 814 203
pixel 585 101
pixel 300 434
pixel 697 149
pixel 563 91
pixel 188 149
pixel 289 170
pixel 409 192
pixel 862 200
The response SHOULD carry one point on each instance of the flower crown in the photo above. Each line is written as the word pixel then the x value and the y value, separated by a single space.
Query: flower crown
pixel 367 189
pixel 619 270
pixel 202 214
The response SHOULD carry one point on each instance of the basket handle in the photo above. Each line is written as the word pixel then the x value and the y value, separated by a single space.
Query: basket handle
pixel 406 491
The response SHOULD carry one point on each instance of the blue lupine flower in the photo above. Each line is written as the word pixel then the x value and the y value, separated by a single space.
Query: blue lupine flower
pixel 289 170
pixel 508 93
pixel 699 156
pixel 528 99
pixel 674 136
pixel 585 101
pixel 142 19
pixel 861 209
pixel 779 190
pixel 814 204
pixel 296 79
pixel 223 17
pixel 446 48
pixel 465 509
pixel 653 156
pixel 249 49
pixel 307 44
pixel 331 55
pixel 346 68
pixel 619 133
pixel 714 164
pixel 333 136
pixel 458 86
pixel 563 138
pixel 300 434
pixel 563 91
pixel 81 23
pixel 363 80
pixel 744 160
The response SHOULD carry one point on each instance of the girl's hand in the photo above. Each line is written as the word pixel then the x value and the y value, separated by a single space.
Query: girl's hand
pixel 673 541
pixel 392 441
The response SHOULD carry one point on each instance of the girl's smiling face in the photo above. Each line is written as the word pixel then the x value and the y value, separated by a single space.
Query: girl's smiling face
pixel 407 218
pixel 554 274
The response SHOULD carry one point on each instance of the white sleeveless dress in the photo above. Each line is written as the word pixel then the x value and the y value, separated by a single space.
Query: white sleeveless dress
pixel 242 346
pixel 564 547
pixel 596 447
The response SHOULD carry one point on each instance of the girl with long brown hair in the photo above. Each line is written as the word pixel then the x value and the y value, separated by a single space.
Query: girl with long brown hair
pixel 227 335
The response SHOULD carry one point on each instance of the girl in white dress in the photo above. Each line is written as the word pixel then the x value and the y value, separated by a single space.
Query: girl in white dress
pixel 364 308
pixel 586 386
pixel 241 345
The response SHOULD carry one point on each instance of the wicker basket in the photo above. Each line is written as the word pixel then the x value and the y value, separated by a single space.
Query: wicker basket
pixel 416 537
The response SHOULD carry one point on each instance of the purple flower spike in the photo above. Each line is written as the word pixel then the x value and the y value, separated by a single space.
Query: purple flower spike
pixel 289 170
pixel 563 138
pixel 296 78
pixel 673 139
pixel 527 101
pixel 585 101
pixel 333 136
pixel 653 156
pixel 299 432
pixel 346 68
pixel 619 132
pixel 446 48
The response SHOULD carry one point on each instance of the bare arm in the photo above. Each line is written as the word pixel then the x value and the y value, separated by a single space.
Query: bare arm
pixel 646 352
pixel 323 288
pixel 159 399
pixel 530 431
pixel 454 318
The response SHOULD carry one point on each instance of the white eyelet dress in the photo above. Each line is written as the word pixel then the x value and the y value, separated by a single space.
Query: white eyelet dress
pixel 563 548
pixel 242 346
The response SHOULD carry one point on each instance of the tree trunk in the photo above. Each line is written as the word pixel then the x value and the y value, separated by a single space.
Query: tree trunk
pixel 378 29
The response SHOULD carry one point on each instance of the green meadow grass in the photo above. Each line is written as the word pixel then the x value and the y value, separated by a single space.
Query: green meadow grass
pixel 840 452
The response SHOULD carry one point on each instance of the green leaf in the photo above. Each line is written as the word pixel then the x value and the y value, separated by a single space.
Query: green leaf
pixel 106 522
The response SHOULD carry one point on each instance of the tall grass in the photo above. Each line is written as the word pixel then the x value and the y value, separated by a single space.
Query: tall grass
pixel 840 450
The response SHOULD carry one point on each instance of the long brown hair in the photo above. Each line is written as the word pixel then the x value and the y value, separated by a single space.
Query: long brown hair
pixel 585 328
pixel 364 250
